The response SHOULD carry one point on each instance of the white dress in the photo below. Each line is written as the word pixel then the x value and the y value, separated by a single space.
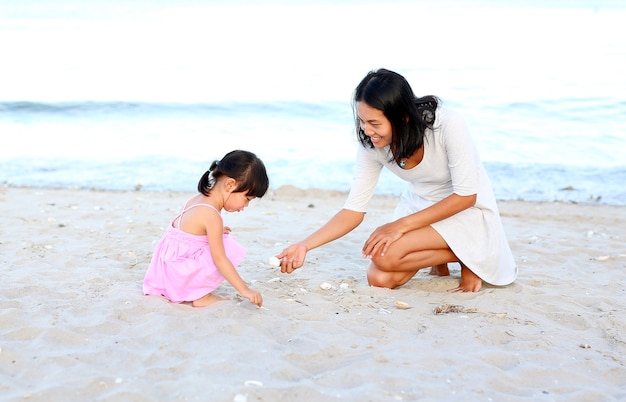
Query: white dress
pixel 450 165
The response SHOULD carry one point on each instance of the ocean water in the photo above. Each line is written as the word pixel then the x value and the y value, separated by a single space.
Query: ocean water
pixel 143 95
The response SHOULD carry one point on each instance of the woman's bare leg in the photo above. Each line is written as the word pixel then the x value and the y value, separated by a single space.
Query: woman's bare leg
pixel 403 260
pixel 439 270
pixel 393 279
pixel 206 300
pixel 470 282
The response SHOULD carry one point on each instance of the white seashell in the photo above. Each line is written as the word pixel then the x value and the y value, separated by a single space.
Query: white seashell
pixel 602 258
pixel 326 286
pixel 273 261
pixel 240 398
pixel 251 383
pixel 344 286
pixel 402 305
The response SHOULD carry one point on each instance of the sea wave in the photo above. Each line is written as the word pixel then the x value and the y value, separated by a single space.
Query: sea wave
pixel 277 108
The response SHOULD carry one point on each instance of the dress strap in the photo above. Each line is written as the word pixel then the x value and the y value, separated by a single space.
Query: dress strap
pixel 185 209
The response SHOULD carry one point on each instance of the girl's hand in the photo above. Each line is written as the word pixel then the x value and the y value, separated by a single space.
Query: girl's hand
pixel 381 239
pixel 292 257
pixel 227 230
pixel 254 297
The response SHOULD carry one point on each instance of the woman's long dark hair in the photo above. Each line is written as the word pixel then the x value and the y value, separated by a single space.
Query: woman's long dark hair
pixel 243 166
pixel 409 116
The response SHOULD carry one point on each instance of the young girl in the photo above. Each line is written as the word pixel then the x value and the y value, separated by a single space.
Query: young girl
pixel 447 213
pixel 196 253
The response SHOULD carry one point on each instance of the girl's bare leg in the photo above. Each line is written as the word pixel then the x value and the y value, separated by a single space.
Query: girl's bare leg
pixel 206 300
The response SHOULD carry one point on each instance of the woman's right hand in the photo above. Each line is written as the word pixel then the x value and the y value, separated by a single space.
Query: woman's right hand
pixel 292 257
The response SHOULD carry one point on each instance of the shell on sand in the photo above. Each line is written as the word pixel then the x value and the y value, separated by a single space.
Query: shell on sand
pixel 402 305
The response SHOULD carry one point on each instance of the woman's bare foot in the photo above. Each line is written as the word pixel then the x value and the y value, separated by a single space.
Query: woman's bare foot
pixel 470 282
pixel 439 270
pixel 206 300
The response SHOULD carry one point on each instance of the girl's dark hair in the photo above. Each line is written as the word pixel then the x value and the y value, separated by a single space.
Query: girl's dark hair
pixel 409 116
pixel 243 166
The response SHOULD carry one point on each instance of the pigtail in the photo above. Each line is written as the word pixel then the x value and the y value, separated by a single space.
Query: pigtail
pixel 208 179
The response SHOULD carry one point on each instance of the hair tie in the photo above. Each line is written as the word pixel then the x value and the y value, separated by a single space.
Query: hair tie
pixel 217 163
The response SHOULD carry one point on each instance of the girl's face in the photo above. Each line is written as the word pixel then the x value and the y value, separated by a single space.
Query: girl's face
pixel 374 124
pixel 236 202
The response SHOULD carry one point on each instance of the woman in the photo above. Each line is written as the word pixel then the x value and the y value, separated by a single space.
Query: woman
pixel 448 212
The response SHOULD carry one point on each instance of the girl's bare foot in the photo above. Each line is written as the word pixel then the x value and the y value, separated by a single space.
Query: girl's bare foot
pixel 470 282
pixel 439 270
pixel 206 300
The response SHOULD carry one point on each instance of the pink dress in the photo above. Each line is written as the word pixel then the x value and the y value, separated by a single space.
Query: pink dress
pixel 182 268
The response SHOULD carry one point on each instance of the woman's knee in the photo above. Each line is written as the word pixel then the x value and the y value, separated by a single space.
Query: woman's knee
pixel 384 263
pixel 377 278
pixel 382 279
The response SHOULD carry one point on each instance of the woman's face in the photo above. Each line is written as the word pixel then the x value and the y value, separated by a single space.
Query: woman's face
pixel 374 124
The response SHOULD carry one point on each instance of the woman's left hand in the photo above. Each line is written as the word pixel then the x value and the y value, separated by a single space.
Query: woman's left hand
pixel 381 239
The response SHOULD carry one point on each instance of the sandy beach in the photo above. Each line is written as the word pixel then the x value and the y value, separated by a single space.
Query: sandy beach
pixel 75 326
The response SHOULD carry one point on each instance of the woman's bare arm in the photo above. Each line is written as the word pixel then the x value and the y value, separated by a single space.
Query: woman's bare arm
pixel 339 225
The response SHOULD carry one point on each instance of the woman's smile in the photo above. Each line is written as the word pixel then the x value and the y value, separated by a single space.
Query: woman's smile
pixel 375 139
pixel 374 124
